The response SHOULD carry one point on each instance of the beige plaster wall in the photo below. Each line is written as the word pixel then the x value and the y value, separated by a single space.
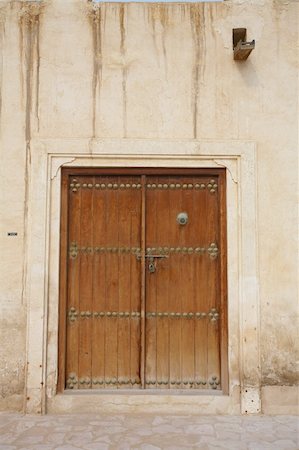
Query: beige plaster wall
pixel 161 72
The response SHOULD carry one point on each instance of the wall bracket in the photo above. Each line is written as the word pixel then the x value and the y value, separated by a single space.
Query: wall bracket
pixel 242 49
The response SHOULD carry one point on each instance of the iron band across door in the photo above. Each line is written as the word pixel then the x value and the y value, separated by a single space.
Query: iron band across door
pixel 212 250
pixel 212 383
pixel 75 186
pixel 74 250
pixel 211 186
pixel 155 252
pixel 73 382
pixel 213 315
pixel 73 315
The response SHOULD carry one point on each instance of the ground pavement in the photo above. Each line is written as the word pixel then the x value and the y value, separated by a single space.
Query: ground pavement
pixel 147 432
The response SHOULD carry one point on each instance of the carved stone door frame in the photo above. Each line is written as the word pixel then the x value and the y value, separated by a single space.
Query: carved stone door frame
pixel 42 257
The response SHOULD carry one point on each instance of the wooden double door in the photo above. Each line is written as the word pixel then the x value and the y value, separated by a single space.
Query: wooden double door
pixel 143 280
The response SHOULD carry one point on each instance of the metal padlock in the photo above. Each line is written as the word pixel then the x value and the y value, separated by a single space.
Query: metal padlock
pixel 152 267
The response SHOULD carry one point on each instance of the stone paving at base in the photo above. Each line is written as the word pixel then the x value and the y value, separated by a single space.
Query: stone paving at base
pixel 147 432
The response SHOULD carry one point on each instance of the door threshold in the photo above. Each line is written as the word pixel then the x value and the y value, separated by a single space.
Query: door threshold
pixel 144 401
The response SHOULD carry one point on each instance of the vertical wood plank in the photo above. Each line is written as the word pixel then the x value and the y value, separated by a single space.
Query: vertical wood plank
pixel 151 300
pixel 175 287
pixel 85 287
pixel 124 210
pixel 142 294
pixel 200 260
pixel 99 283
pixel 213 290
pixel 63 290
pixel 187 240
pixel 129 200
pixel 161 278
pixel 74 225
pixel 112 291
pixel 135 281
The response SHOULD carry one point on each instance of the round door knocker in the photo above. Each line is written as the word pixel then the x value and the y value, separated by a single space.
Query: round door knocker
pixel 182 218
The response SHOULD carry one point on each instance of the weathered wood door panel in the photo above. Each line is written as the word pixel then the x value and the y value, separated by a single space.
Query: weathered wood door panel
pixel 182 301
pixel 145 294
pixel 103 329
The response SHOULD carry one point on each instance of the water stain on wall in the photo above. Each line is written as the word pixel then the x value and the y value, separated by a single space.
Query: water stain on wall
pixel 197 21
pixel 124 66
pixel 97 14
pixel 2 34
pixel 278 375
pixel 96 18
pixel 29 30
pixel 29 26
pixel 158 17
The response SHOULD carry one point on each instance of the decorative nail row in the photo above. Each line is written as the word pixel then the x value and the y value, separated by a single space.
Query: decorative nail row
pixel 211 186
pixel 75 185
pixel 176 186
pixel 73 314
pixel 212 250
pixel 73 381
pixel 175 382
pixel 74 250
pixel 214 383
pixel 213 315
pixel 168 250
pixel 120 314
